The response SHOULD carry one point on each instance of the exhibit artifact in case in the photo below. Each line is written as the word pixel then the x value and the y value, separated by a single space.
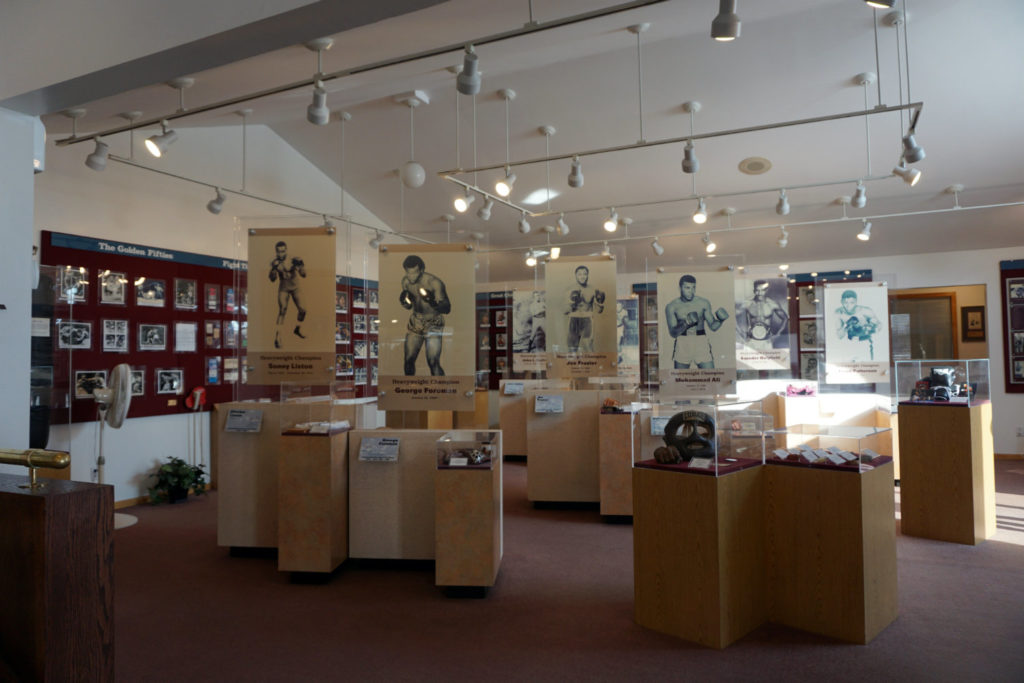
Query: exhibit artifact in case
pixel 964 382
pixel 702 436
pixel 467 448
pixel 836 447
pixel 307 410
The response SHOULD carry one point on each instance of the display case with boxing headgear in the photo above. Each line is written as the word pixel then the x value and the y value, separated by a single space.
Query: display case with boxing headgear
pixel 964 382
pixel 702 436
pixel 836 447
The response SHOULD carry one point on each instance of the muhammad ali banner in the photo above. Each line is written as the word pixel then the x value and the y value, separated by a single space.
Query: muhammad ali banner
pixel 291 305
pixel 581 338
pixel 427 327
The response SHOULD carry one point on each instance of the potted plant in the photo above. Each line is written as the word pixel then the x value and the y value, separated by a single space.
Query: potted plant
pixel 173 480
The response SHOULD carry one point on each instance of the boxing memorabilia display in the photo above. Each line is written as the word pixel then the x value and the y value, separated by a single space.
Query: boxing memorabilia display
pixel 762 324
pixel 856 336
pixel 581 336
pixel 427 334
pixel 697 332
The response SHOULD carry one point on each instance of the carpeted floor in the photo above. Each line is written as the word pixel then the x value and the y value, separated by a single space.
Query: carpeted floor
pixel 562 610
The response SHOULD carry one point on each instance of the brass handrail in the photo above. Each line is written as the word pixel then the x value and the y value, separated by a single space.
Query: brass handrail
pixel 33 458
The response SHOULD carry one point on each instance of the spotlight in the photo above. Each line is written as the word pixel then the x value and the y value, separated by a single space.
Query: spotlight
pixel 97 161
pixel 215 205
pixel 611 224
pixel 531 260
pixel 860 196
pixel 555 253
pixel 158 144
pixel 317 112
pixel 784 238
pixel 782 208
pixel 657 248
pixel 701 214
pixel 726 26
pixel 504 186
pixel 462 203
pixel 576 174
pixel 691 164
pixel 563 227
pixel 865 234
pixel 375 241
pixel 484 212
pixel 912 152
pixel 709 246
pixel 880 4
pixel 910 175
pixel 524 225
pixel 468 80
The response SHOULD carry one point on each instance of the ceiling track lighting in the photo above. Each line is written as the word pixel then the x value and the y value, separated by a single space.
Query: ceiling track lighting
pixel 691 164
pixel 216 204
pixel 782 208
pixel 504 186
pixel 860 196
pixel 910 176
pixel 657 248
pixel 700 216
pixel 784 238
pixel 468 80
pixel 463 203
pixel 611 224
pixel 97 160
pixel 375 241
pixel 726 25
pixel 158 144
pixel 555 253
pixel 912 152
pixel 524 225
pixel 412 173
pixel 561 225
pixel 709 246
pixel 865 234
pixel 576 173
pixel 317 112
pixel 880 4
pixel 484 212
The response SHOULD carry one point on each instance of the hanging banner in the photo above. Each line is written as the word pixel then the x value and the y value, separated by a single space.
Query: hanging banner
pixel 696 333
pixel 581 338
pixel 762 324
pixel 427 334
pixel 291 305
pixel 529 333
pixel 627 327
pixel 856 337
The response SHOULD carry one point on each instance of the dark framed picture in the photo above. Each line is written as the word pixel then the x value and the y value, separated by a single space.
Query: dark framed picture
pixel 341 301
pixel 485 318
pixel 359 323
pixel 342 333
pixel 231 328
pixel 170 381
pixel 374 298
pixel 213 334
pixel 74 335
pixel 972 323
pixel 150 292
pixel 358 299
pixel 115 336
pixel 152 337
pixel 212 298
pixel 229 300
pixel 500 318
pixel 112 286
pixel 138 382
pixel 501 341
pixel 73 284
pixel 87 381
pixel 184 294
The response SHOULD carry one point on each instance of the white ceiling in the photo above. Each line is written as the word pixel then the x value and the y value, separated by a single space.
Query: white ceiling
pixel 795 59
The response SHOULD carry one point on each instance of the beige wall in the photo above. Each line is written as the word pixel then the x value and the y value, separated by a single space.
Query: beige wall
pixel 966 295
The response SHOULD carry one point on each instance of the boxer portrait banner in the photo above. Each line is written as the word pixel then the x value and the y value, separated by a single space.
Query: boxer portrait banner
pixel 762 324
pixel 581 340
pixel 856 335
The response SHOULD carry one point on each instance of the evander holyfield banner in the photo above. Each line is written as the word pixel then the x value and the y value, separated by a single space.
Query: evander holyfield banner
pixel 856 336
pixel 291 305
pixel 696 333
pixel 427 334
pixel 581 338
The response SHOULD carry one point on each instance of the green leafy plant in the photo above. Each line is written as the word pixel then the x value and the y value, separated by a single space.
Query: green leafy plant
pixel 173 480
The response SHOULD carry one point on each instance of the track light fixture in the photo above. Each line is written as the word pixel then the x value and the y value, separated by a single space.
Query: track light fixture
pixel 531 259
pixel 865 234
pixel 784 238
pixel 158 144
pixel 611 224
pixel 691 164
pixel 555 253
pixel 606 251
pixel 97 161
pixel 576 174
pixel 910 175
pixel 562 226
pixel 215 205
pixel 462 203
pixel 700 216
pixel 468 80
pixel 880 4
pixel 912 152
pixel 504 185
pixel 726 26
pixel 709 246
pixel 375 241
pixel 317 112
pixel 860 196
pixel 524 225
pixel 782 208
pixel 657 248
pixel 484 212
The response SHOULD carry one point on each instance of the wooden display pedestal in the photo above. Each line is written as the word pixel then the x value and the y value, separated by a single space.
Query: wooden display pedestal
pixel 831 548
pixel 57 571
pixel 312 502
pixel 947 472
pixel 419 419
pixel 467 526
pixel 479 417
pixel 698 554
pixel 616 434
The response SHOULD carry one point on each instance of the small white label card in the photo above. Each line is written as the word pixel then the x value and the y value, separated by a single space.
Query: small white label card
pixel 458 462
pixel 781 453
pixel 40 327
pixel 658 424
pixel 379 449
pixel 548 403
pixel 870 453
pixel 809 456
pixel 846 455
pixel 700 463
pixel 240 420
pixel 834 459
pixel 513 388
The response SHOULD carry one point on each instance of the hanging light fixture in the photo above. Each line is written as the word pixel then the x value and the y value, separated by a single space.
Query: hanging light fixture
pixel 317 112
pixel 524 225
pixel 576 173
pixel 880 4
pixel 709 246
pixel 657 248
pixel 611 224
pixel 215 205
pixel 484 212
pixel 97 161
pixel 555 253
pixel 462 203
pixel 691 164
pixel 561 225
pixel 912 152
pixel 504 186
pixel 606 251
pixel 158 144
pixel 784 238
pixel 865 234
pixel 700 216
pixel 910 176
pixel 726 25
pixel 782 208
pixel 375 241
pixel 860 196
pixel 412 173
pixel 531 259
pixel 468 80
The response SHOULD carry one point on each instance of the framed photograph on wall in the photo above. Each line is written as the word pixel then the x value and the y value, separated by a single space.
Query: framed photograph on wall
pixel 115 336
pixel 87 381
pixel 74 334
pixel 112 287
pixel 73 284
pixel 138 382
pixel 972 323
pixel 184 294
pixel 149 292
pixel 170 381
pixel 152 337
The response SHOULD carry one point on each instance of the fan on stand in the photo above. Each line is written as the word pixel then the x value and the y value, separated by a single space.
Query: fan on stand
pixel 112 402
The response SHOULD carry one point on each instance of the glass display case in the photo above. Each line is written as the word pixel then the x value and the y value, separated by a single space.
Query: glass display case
pixel 702 436
pixel 316 410
pixel 842 447
pixel 468 449
pixel 963 381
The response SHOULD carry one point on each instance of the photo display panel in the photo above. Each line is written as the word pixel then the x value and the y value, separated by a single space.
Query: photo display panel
pixel 580 296
pixel 856 333
pixel 762 324
pixel 529 333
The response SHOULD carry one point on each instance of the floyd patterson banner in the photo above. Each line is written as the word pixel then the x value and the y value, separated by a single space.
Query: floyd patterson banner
pixel 291 305
pixel 581 339
pixel 696 333
pixel 856 336
pixel 427 327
